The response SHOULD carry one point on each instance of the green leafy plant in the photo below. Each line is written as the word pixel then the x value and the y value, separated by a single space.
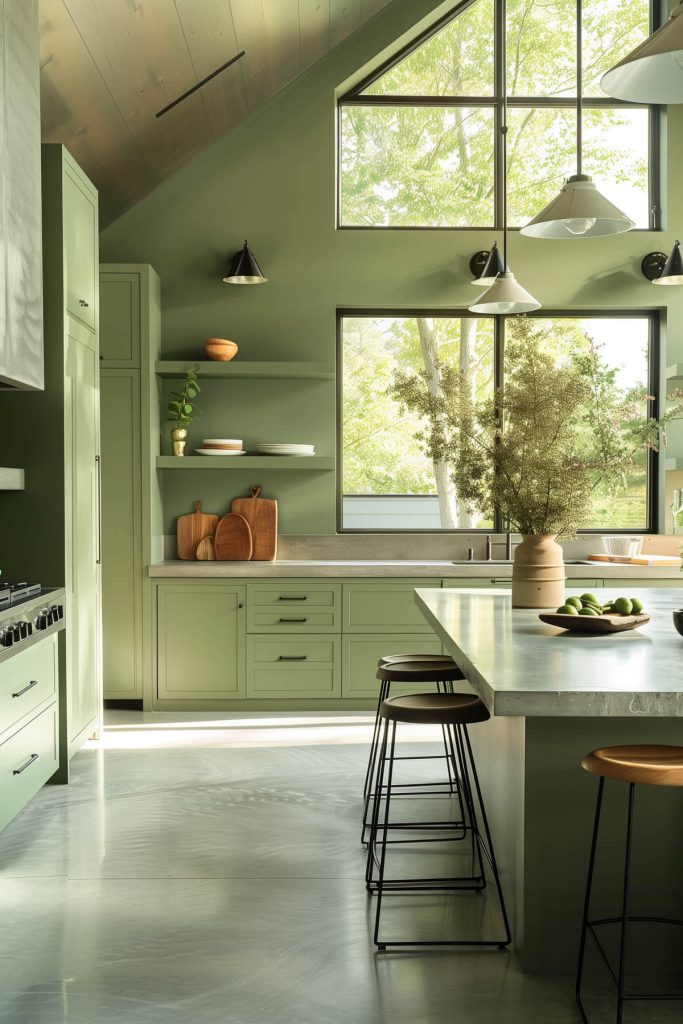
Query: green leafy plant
pixel 182 410
pixel 538 449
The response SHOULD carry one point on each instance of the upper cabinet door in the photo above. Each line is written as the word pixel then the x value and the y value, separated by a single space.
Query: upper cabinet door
pixel 21 269
pixel 80 250
pixel 120 319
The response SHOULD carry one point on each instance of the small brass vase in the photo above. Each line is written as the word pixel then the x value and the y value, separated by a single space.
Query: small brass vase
pixel 179 436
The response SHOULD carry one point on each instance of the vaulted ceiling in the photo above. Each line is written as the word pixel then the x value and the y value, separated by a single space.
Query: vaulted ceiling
pixel 108 66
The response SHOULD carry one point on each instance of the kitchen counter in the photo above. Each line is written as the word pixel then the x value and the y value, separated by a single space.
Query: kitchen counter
pixel 554 697
pixel 369 568
pixel 521 666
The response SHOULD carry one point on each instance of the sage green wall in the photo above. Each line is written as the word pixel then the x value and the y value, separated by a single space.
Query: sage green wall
pixel 272 179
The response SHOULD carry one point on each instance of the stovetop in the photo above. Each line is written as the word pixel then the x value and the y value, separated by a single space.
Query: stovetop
pixel 15 593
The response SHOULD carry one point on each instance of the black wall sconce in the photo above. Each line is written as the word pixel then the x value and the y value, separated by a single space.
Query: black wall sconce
pixel 486 265
pixel 245 269
pixel 662 269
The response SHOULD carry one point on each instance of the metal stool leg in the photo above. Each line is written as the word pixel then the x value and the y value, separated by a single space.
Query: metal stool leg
pixel 624 905
pixel 376 804
pixel 587 899
pixel 385 830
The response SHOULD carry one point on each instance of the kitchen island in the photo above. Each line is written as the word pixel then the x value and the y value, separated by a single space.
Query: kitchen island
pixel 554 696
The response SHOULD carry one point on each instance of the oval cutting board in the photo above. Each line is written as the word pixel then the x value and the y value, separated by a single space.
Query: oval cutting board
pixel 232 540
pixel 595 623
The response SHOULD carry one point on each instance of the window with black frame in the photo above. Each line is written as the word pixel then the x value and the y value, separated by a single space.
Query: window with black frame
pixel 388 482
pixel 418 144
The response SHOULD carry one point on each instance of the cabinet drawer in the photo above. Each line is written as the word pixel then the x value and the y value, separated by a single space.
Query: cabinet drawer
pixel 384 607
pixel 361 653
pixel 26 681
pixel 294 609
pixel 27 760
pixel 285 667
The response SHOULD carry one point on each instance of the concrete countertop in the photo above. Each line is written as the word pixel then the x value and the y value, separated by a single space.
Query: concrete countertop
pixel 520 666
pixel 377 568
pixel 385 568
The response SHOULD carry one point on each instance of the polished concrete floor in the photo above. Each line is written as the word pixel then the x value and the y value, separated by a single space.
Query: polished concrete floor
pixel 206 869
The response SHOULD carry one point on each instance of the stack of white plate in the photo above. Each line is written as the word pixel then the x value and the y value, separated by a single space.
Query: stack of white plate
pixel 220 446
pixel 285 449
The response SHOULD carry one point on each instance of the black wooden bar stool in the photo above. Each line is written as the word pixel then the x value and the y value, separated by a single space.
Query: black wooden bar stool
pixel 454 712
pixel 438 670
pixel 637 764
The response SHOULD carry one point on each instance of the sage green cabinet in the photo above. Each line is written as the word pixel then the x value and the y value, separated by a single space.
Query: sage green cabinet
pixel 361 652
pixel 80 248
pixel 28 758
pixel 293 607
pixel 293 667
pixel 129 328
pixel 201 639
pixel 384 607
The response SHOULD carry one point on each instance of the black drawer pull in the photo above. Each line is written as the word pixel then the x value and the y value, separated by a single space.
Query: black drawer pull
pixel 32 758
pixel 293 620
pixel 292 657
pixel 294 597
pixel 82 302
pixel 34 682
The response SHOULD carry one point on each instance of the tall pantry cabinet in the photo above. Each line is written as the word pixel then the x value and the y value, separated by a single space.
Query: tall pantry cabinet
pixel 54 524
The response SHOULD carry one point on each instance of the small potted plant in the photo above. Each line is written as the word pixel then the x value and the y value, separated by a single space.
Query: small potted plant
pixel 181 410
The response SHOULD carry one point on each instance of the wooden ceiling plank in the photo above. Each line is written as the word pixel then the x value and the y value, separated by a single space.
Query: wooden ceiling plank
pixel 314 30
pixel 282 30
pixel 140 51
pixel 78 111
pixel 250 31
pixel 345 17
pixel 211 41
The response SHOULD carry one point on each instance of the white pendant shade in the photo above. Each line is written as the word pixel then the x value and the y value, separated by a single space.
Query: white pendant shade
pixel 505 296
pixel 579 210
pixel 653 72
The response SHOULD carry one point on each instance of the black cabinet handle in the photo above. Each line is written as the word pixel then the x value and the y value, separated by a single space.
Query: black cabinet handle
pixel 293 620
pixel 296 597
pixel 34 682
pixel 292 657
pixel 32 758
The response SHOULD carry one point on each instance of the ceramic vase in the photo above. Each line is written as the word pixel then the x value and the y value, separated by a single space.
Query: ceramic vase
pixel 179 435
pixel 538 572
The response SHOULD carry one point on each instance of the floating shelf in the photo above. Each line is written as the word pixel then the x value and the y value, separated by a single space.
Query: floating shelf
pixel 246 371
pixel 227 462
pixel 11 479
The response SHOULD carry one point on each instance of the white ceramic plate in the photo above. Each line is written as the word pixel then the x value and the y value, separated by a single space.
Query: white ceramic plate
pixel 217 451
pixel 221 440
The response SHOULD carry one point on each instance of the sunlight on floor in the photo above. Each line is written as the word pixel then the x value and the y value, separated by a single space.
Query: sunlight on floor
pixel 148 731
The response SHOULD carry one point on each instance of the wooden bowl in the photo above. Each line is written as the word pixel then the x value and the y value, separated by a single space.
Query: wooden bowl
pixel 605 623
pixel 220 349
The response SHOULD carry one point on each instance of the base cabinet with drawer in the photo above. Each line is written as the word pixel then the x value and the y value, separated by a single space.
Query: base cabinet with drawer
pixel 293 667
pixel 362 651
pixel 29 725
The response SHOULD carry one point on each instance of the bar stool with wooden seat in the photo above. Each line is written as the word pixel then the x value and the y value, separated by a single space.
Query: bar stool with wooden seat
pixel 454 712
pixel 638 764
pixel 438 670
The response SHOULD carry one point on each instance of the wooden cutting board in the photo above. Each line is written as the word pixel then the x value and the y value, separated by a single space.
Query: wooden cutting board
pixel 192 528
pixel 232 541
pixel 261 514
pixel 205 550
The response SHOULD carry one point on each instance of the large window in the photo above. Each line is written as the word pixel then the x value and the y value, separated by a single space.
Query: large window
pixel 387 482
pixel 418 141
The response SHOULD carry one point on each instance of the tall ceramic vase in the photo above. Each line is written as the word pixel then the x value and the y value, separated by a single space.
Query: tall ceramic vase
pixel 538 573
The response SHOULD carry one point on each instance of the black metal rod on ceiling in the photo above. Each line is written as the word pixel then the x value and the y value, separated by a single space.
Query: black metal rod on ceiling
pixel 198 85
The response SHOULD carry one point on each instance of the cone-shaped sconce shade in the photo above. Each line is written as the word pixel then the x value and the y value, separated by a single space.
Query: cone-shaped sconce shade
pixel 653 72
pixel 505 296
pixel 245 269
pixel 673 268
pixel 579 210
pixel 492 268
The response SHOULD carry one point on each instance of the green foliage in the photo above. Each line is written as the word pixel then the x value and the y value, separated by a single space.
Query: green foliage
pixel 181 410
pixel 539 449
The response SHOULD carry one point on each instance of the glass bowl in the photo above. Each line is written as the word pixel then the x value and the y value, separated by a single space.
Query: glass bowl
pixel 622 545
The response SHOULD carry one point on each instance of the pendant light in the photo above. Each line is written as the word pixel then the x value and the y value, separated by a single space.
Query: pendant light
pixel 245 269
pixel 579 210
pixel 653 72
pixel 505 295
pixel 660 269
